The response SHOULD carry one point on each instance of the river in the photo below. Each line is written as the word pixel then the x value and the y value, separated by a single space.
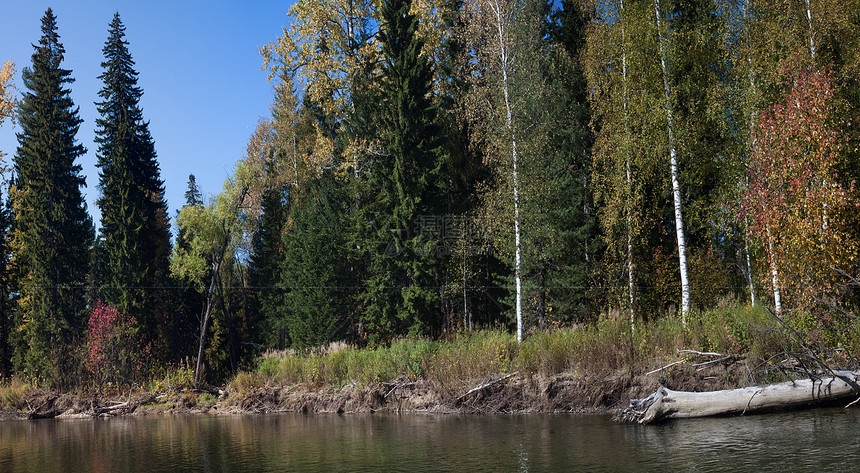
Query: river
pixel 816 440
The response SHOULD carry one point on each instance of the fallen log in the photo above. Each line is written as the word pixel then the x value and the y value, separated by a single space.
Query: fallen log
pixel 668 404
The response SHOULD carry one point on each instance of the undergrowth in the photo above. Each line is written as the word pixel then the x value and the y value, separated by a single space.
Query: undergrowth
pixel 606 345
pixel 599 348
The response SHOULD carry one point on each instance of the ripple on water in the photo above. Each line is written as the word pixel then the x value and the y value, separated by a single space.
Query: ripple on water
pixel 818 440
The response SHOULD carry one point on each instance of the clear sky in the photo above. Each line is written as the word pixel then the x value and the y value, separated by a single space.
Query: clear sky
pixel 198 64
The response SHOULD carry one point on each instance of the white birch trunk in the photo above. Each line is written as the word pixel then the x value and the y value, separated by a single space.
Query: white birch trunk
pixel 812 52
pixel 812 49
pixel 751 140
pixel 753 298
pixel 504 62
pixel 516 233
pixel 629 210
pixel 467 318
pixel 676 185
pixel 777 295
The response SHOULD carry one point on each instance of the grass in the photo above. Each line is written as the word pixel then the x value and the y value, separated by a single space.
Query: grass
pixel 12 392
pixel 600 347
pixel 466 359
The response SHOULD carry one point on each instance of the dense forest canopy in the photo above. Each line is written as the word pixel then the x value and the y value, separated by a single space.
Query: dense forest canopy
pixel 432 166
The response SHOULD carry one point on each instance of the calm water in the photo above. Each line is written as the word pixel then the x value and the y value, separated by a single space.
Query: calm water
pixel 821 440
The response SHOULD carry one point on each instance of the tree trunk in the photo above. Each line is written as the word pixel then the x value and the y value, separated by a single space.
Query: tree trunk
pixel 629 205
pixel 812 49
pixel 676 185
pixel 204 324
pixel 504 62
pixel 777 295
pixel 467 319
pixel 751 141
pixel 753 298
pixel 667 404
pixel 231 335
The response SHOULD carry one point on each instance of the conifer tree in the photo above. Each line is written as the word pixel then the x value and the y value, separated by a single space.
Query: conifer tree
pixel 563 236
pixel 264 269
pixel 134 222
pixel 314 268
pixel 193 196
pixel 52 230
pixel 402 270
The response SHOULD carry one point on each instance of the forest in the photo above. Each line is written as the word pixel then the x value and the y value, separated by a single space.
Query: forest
pixel 435 167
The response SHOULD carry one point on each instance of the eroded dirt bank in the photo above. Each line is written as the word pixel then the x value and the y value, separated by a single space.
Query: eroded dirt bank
pixel 566 392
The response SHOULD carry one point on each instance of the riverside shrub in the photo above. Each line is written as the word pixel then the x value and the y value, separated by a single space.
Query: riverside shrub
pixel 113 344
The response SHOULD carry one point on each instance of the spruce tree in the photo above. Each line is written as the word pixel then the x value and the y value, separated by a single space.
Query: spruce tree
pixel 134 224
pixel 189 304
pixel 265 274
pixel 193 196
pixel 565 227
pixel 52 231
pixel 403 272
pixel 314 268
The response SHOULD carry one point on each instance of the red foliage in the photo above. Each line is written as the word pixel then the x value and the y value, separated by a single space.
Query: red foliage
pixel 112 342
pixel 794 197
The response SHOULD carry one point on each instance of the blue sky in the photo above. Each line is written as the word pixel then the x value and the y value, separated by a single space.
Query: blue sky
pixel 198 65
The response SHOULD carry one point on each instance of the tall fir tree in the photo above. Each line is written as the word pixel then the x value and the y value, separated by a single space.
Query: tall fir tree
pixel 52 230
pixel 189 304
pixel 313 270
pixel 560 212
pixel 134 224
pixel 403 270
pixel 264 270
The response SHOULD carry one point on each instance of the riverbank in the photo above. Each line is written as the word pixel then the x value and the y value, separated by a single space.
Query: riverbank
pixel 564 392
pixel 589 368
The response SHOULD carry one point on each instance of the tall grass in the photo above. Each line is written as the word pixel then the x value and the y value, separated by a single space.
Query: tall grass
pixel 603 346
pixel 12 392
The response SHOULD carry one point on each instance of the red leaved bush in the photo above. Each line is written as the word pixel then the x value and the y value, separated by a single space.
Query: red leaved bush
pixel 113 344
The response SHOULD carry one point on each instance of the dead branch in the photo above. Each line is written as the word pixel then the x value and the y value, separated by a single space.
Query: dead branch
pixel 699 353
pixel 395 386
pixel 487 384
pixel 663 368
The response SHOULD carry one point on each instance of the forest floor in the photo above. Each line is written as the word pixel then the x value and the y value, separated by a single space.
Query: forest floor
pixel 596 393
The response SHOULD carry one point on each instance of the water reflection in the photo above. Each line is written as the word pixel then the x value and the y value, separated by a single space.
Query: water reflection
pixel 823 439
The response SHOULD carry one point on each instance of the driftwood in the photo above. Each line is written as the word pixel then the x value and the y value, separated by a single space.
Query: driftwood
pixel 127 407
pixel 667 404
pixel 394 386
pixel 487 385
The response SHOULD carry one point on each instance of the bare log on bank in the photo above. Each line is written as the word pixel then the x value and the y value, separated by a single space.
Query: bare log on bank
pixel 668 404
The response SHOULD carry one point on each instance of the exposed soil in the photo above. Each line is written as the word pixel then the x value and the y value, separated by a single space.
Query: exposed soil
pixel 565 392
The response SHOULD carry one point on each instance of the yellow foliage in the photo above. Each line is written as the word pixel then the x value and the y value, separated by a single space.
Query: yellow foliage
pixel 8 101
pixel 328 43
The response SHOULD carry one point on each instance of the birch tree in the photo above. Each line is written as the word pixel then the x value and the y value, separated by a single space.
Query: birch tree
pixel 209 233
pixel 673 162
pixel 497 36
pixel 216 239
pixel 628 208
pixel 798 208
pixel 615 64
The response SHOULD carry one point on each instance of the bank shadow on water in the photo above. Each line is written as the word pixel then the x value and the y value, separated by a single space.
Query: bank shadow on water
pixel 824 440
